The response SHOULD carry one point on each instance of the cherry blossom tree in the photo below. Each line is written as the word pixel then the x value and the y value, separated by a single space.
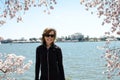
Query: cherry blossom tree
pixel 107 9
pixel 10 9
pixel 12 64
pixel 111 56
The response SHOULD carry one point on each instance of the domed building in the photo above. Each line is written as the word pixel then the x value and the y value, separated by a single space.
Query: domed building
pixel 77 36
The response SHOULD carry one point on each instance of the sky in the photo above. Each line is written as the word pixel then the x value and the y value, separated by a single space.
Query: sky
pixel 68 17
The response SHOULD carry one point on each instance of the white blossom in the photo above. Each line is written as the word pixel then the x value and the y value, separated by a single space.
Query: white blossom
pixel 13 64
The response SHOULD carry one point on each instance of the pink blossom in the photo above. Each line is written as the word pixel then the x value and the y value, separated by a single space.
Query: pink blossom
pixel 11 63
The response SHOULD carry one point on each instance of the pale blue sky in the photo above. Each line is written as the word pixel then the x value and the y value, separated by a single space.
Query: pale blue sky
pixel 67 18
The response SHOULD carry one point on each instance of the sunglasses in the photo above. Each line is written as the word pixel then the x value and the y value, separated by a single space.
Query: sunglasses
pixel 49 35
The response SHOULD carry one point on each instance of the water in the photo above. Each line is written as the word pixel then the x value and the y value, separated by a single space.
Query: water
pixel 82 60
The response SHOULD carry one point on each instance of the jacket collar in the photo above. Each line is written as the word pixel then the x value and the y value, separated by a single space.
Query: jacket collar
pixel 52 45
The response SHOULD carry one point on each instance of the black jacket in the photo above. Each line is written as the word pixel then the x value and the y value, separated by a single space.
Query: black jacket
pixel 49 63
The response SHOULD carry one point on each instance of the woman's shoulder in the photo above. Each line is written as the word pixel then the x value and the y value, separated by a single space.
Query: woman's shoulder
pixel 57 47
pixel 40 46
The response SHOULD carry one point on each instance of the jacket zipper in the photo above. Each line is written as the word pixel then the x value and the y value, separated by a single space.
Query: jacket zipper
pixel 48 62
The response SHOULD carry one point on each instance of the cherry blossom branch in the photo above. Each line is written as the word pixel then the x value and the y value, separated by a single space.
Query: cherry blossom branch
pixel 3 70
pixel 12 63
pixel 112 58
pixel 12 8
pixel 107 9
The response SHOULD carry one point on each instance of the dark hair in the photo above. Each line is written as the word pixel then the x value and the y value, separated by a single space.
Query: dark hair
pixel 46 32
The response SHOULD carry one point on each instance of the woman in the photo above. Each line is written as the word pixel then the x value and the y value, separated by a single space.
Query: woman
pixel 49 58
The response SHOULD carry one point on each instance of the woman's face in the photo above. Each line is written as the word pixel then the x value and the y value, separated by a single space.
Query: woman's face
pixel 49 38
